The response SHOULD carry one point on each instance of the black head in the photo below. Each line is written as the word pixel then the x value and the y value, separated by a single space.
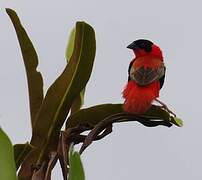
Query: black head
pixel 141 44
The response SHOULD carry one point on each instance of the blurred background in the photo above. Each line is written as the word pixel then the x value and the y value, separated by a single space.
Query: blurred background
pixel 152 153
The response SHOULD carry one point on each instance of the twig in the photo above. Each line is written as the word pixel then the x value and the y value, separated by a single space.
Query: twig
pixel 164 106
pixel 106 125
pixel 52 161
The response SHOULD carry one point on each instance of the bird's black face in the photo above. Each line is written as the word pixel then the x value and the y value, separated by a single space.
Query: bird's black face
pixel 141 44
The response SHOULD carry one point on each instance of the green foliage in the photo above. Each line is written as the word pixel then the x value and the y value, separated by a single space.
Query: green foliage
pixel 7 162
pixel 48 114
pixel 93 115
pixel 79 100
pixel 76 171
pixel 177 121
pixel 64 90
pixel 70 45
pixel 20 152
pixel 96 114
pixel 34 78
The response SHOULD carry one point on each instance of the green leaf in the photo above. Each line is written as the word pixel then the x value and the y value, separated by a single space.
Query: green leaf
pixel 70 45
pixel 79 100
pixel 34 78
pixel 163 114
pixel 20 152
pixel 61 94
pixel 76 171
pixel 156 112
pixel 95 114
pixel 178 122
pixel 7 162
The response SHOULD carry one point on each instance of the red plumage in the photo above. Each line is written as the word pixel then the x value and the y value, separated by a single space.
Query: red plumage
pixel 138 99
pixel 145 73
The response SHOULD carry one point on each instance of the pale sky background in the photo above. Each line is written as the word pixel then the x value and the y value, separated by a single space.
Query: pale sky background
pixel 132 151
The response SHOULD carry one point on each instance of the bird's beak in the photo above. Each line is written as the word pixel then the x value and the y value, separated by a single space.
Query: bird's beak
pixel 132 46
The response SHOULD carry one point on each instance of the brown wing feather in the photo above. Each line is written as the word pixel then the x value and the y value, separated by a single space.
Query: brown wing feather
pixel 144 76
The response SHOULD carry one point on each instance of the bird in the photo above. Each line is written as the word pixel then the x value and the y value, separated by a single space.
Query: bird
pixel 146 75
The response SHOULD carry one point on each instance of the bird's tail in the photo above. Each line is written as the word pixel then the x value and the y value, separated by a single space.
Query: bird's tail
pixel 138 99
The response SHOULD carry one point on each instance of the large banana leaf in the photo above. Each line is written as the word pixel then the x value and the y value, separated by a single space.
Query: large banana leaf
pixel 96 114
pixel 60 96
pixel 34 78
pixel 7 162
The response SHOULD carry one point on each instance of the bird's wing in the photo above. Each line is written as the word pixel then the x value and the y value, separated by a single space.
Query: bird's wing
pixel 144 76
pixel 129 68
pixel 161 80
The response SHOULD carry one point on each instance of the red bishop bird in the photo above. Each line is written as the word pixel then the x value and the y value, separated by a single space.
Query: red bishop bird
pixel 146 74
